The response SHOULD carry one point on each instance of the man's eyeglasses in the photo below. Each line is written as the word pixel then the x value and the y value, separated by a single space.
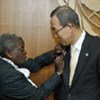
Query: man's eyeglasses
pixel 56 31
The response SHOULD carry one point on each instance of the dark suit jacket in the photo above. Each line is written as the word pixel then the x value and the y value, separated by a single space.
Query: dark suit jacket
pixel 86 81
pixel 15 86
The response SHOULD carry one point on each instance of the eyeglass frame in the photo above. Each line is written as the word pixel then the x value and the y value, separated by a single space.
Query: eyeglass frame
pixel 60 28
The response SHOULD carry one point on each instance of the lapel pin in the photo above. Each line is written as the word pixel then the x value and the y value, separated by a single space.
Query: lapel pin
pixel 87 54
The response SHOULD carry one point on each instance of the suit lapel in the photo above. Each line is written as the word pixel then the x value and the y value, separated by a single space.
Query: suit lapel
pixel 84 54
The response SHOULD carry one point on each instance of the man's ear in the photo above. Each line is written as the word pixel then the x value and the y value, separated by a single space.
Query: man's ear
pixel 8 54
pixel 70 25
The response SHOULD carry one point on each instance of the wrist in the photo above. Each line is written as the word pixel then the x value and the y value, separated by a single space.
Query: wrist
pixel 58 73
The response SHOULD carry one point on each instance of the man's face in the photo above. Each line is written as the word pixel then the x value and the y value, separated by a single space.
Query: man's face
pixel 62 32
pixel 18 55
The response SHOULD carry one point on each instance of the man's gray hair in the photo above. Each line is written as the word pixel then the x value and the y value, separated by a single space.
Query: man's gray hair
pixel 66 15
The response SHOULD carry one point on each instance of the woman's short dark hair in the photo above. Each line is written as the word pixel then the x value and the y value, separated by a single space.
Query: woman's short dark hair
pixel 66 15
pixel 8 42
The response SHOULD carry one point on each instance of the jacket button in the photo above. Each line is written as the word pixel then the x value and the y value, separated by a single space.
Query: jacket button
pixel 69 95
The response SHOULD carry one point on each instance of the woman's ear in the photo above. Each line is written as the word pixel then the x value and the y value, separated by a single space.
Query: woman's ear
pixel 8 54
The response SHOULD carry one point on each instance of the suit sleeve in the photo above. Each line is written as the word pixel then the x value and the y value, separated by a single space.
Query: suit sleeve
pixel 15 85
pixel 39 62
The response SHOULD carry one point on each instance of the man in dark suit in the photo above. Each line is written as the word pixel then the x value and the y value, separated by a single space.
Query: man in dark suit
pixel 14 81
pixel 81 76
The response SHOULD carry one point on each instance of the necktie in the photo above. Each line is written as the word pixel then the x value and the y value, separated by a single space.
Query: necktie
pixel 73 63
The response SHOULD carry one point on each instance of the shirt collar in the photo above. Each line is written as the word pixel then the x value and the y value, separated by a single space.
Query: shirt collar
pixel 9 61
pixel 78 44
pixel 25 71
